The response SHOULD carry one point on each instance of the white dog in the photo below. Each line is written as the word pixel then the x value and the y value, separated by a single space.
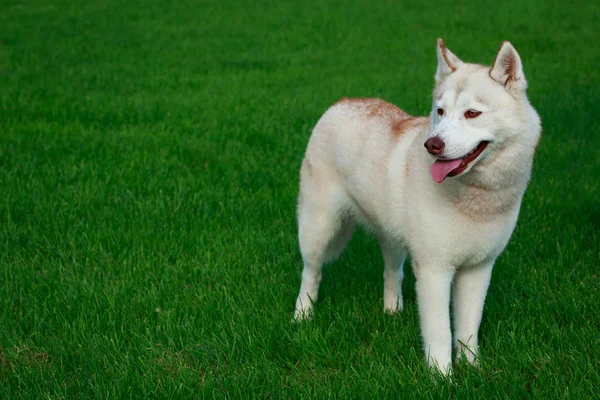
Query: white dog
pixel 445 188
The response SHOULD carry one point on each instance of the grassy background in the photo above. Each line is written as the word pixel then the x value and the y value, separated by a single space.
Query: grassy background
pixel 149 156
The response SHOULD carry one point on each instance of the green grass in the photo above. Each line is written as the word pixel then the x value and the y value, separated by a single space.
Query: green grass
pixel 149 156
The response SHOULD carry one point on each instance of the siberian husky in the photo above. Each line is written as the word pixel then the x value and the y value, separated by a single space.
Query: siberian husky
pixel 445 189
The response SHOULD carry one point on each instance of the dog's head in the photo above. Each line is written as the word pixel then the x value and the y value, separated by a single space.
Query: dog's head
pixel 476 110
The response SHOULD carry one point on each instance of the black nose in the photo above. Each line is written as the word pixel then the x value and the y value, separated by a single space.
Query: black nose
pixel 434 145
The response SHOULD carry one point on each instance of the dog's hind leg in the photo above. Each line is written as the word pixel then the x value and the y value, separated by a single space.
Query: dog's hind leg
pixel 324 229
pixel 393 274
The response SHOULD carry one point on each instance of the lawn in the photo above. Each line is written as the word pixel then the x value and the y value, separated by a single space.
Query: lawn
pixel 149 157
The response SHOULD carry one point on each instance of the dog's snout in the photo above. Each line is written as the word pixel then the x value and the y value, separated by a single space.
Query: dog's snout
pixel 435 145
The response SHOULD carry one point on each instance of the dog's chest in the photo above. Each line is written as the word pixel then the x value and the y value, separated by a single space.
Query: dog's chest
pixel 451 238
pixel 480 242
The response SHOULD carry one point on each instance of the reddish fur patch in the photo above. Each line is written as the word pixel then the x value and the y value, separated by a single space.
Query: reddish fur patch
pixel 381 108
pixel 399 120
pixel 375 107
pixel 401 126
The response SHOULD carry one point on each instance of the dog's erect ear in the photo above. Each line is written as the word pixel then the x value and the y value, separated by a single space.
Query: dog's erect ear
pixel 447 62
pixel 507 68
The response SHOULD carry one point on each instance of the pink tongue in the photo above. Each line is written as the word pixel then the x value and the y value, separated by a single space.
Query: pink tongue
pixel 440 169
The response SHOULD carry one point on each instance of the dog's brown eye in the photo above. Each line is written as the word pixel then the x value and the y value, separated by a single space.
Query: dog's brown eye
pixel 440 111
pixel 472 114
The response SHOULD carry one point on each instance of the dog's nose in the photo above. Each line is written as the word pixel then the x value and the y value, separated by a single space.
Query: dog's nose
pixel 434 145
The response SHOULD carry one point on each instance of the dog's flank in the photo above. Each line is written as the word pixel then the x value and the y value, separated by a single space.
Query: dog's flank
pixel 445 188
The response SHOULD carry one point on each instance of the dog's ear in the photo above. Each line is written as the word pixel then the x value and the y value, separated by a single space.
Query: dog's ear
pixel 447 62
pixel 507 69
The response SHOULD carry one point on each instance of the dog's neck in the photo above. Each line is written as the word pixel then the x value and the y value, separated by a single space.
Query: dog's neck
pixel 494 187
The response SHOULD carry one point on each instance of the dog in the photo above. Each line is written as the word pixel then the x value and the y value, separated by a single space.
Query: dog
pixel 445 189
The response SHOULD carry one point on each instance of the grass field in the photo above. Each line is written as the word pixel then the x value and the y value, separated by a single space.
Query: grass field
pixel 149 156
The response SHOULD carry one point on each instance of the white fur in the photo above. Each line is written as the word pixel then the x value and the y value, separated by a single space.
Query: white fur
pixel 366 163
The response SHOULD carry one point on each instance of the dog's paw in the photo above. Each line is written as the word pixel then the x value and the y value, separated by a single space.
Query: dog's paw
pixel 302 315
pixel 468 354
pixel 441 373
pixel 304 307
pixel 393 305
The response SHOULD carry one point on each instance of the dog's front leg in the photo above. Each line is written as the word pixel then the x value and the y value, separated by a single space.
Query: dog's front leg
pixel 433 296
pixel 470 290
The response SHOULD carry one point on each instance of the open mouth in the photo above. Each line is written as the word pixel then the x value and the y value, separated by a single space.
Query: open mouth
pixel 440 169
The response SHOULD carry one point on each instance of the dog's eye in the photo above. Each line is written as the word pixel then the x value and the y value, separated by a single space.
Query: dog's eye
pixel 472 114
pixel 440 111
